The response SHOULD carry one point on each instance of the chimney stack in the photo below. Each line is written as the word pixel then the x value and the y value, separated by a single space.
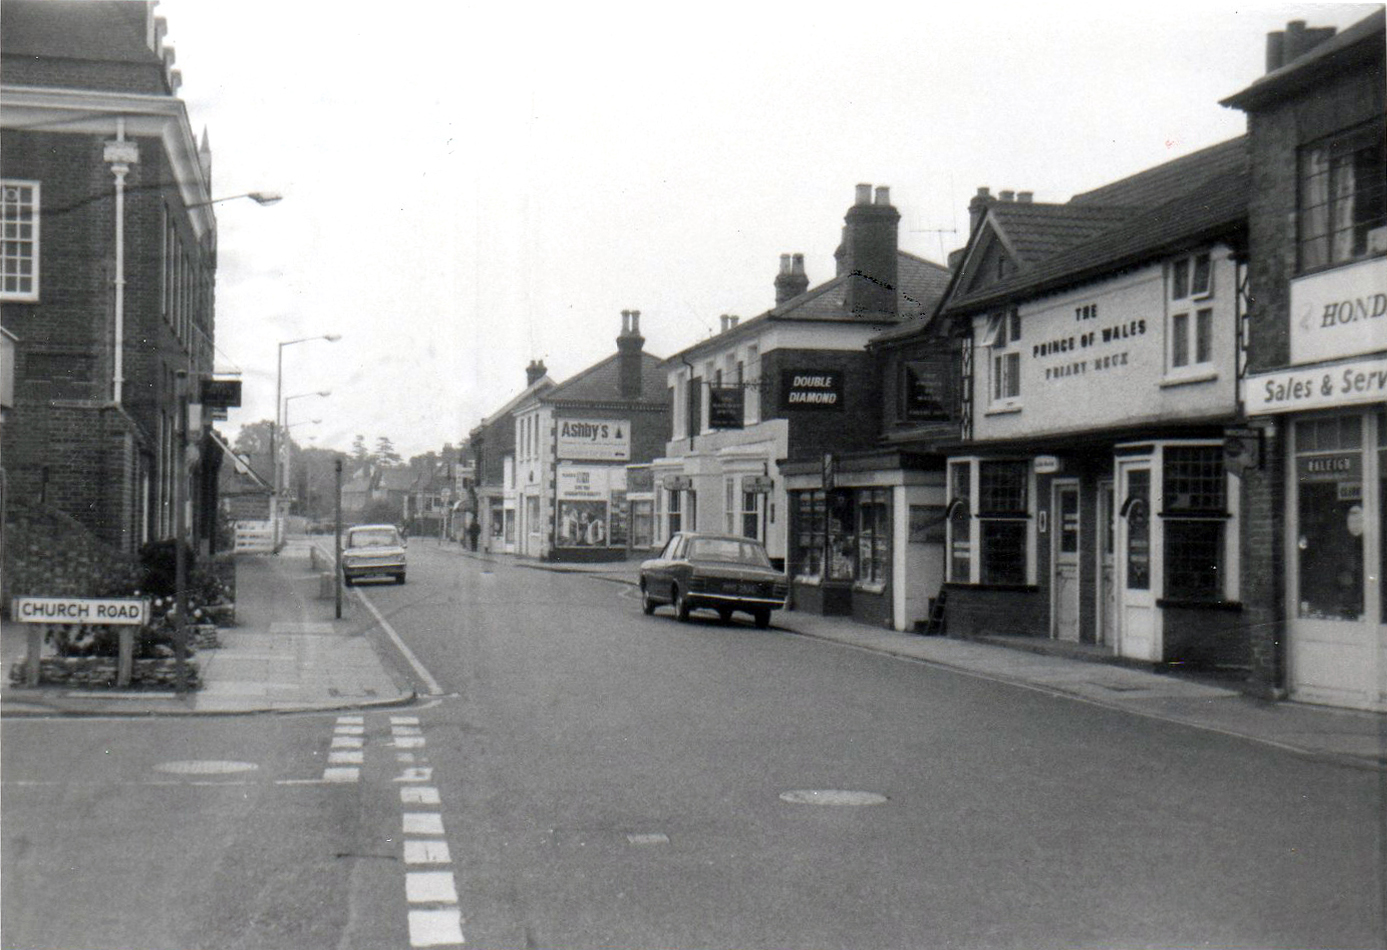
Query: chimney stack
pixel 1007 195
pixel 728 321
pixel 1025 197
pixel 629 345
pixel 791 281
pixel 1286 46
pixel 534 372
pixel 868 252
pixel 976 207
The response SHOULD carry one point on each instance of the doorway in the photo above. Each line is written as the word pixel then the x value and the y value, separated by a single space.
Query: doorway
pixel 1138 636
pixel 1064 624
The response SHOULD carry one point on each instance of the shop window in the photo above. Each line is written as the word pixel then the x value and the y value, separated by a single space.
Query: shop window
pixel 873 536
pixel 1003 521
pixel 1329 530
pixel 19 217
pixel 1195 516
pixel 1343 198
pixel 810 533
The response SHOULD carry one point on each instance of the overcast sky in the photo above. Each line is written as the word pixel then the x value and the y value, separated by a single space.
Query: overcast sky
pixel 471 186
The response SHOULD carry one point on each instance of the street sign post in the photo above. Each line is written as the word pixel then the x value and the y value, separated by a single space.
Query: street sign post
pixel 42 612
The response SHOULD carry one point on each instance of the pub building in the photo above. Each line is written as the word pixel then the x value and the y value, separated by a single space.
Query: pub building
pixel 1316 377
pixel 794 381
pixel 1088 497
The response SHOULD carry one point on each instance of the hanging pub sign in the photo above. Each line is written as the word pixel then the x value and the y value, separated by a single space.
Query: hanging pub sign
pixel 819 389
pixel 757 484
pixel 677 482
pixel 725 407
pixel 220 393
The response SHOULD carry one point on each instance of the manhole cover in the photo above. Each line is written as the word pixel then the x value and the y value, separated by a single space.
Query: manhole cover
pixel 831 796
pixel 205 767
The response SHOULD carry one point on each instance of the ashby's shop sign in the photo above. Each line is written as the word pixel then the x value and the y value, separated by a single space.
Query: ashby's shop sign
pixel 1292 390
pixel 811 389
pixel 606 440
pixel 1338 313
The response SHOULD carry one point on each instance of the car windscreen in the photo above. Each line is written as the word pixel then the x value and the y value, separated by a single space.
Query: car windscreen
pixel 373 538
pixel 728 550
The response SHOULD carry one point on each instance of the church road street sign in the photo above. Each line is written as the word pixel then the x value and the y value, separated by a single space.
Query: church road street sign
pixel 121 612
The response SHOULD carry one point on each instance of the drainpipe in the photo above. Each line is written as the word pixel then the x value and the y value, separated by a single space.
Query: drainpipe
pixel 121 154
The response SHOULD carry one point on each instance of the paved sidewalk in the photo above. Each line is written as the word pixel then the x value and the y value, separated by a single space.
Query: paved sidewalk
pixel 286 653
pixel 1356 738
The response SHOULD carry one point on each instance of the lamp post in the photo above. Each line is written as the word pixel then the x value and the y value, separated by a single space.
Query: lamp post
pixel 274 433
pixel 259 197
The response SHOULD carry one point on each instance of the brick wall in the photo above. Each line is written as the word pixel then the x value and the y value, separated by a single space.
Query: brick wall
pixel 975 611
pixel 49 553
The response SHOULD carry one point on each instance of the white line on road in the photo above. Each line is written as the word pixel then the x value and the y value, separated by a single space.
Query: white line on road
pixel 419 795
pixel 429 681
pixel 427 852
pixel 430 887
pixel 422 823
pixel 435 928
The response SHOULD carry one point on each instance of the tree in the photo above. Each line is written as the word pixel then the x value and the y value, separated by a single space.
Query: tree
pixel 359 452
pixel 254 439
pixel 385 452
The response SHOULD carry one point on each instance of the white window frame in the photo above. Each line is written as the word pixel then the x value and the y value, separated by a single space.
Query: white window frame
pixel 11 265
pixel 974 542
pixel 1003 329
pixel 1192 306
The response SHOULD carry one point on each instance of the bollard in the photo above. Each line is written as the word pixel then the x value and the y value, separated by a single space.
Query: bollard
pixel 31 673
pixel 127 656
pixel 327 586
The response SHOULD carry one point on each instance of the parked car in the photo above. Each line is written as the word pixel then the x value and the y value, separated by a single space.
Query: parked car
pixel 373 550
pixel 717 571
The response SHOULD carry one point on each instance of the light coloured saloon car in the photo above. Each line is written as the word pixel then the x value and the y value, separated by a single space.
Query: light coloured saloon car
pixel 373 550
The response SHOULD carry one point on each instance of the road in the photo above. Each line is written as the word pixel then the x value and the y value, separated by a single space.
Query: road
pixel 608 780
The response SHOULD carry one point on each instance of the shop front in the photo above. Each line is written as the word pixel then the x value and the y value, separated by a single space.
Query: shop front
pixel 1328 407
pixel 866 536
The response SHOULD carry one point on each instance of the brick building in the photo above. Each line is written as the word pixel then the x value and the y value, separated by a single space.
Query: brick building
pixel 1316 545
pixel 760 405
pixel 107 275
pixel 574 443
pixel 491 450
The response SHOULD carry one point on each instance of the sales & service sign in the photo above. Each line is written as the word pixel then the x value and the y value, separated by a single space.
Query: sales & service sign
pixel 1320 387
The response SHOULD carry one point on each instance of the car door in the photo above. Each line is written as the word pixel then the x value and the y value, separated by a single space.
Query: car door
pixel 659 578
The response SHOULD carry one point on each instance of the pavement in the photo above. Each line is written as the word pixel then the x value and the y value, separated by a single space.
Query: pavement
pixel 288 653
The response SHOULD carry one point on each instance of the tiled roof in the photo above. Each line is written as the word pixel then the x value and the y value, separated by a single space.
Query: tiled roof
pixel 602 383
pixel 1037 231
pixel 1156 185
pixel 543 385
pixel 396 479
pixel 76 29
pixel 1308 67
pixel 1218 204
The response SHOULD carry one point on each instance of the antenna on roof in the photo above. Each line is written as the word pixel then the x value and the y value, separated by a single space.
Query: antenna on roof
pixel 939 231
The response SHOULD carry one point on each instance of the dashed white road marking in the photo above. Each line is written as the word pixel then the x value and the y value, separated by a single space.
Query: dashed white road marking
pixel 408 742
pixel 351 720
pixel 430 887
pixel 348 742
pixel 434 928
pixel 427 852
pixel 423 823
pixel 346 758
pixel 419 795
pixel 342 775
pixel 350 730
pixel 406 731
pixel 418 773
pixel 404 720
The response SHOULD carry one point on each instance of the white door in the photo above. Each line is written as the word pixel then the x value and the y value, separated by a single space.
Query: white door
pixel 1337 647
pixel 1107 570
pixel 1137 622
pixel 1065 561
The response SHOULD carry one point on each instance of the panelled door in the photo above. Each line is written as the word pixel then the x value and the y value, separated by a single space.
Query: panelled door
pixel 1137 633
pixel 1107 570
pixel 1065 561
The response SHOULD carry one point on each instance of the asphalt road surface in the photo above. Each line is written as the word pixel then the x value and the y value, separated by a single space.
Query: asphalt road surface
pixel 609 780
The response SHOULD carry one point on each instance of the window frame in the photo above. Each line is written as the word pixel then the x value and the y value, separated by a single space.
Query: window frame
pixel 33 240
pixel 873 537
pixel 1189 315
pixel 1002 331
pixel 1359 140
pixel 970 511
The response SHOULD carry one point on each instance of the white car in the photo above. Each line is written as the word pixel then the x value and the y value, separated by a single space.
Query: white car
pixel 373 550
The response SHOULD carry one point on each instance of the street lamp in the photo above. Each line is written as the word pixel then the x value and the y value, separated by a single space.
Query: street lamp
pixel 259 197
pixel 289 442
pixel 274 433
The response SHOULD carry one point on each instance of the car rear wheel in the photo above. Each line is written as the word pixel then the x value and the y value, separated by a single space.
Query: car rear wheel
pixel 681 606
pixel 347 580
pixel 399 578
pixel 762 617
pixel 647 602
pixel 725 614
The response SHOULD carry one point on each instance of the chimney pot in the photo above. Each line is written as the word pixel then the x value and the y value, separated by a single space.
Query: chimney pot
pixel 984 192
pixel 790 282
pixel 635 321
pixel 1007 195
pixel 784 263
pixel 883 195
pixel 864 195
pixel 797 264
pixel 1025 197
